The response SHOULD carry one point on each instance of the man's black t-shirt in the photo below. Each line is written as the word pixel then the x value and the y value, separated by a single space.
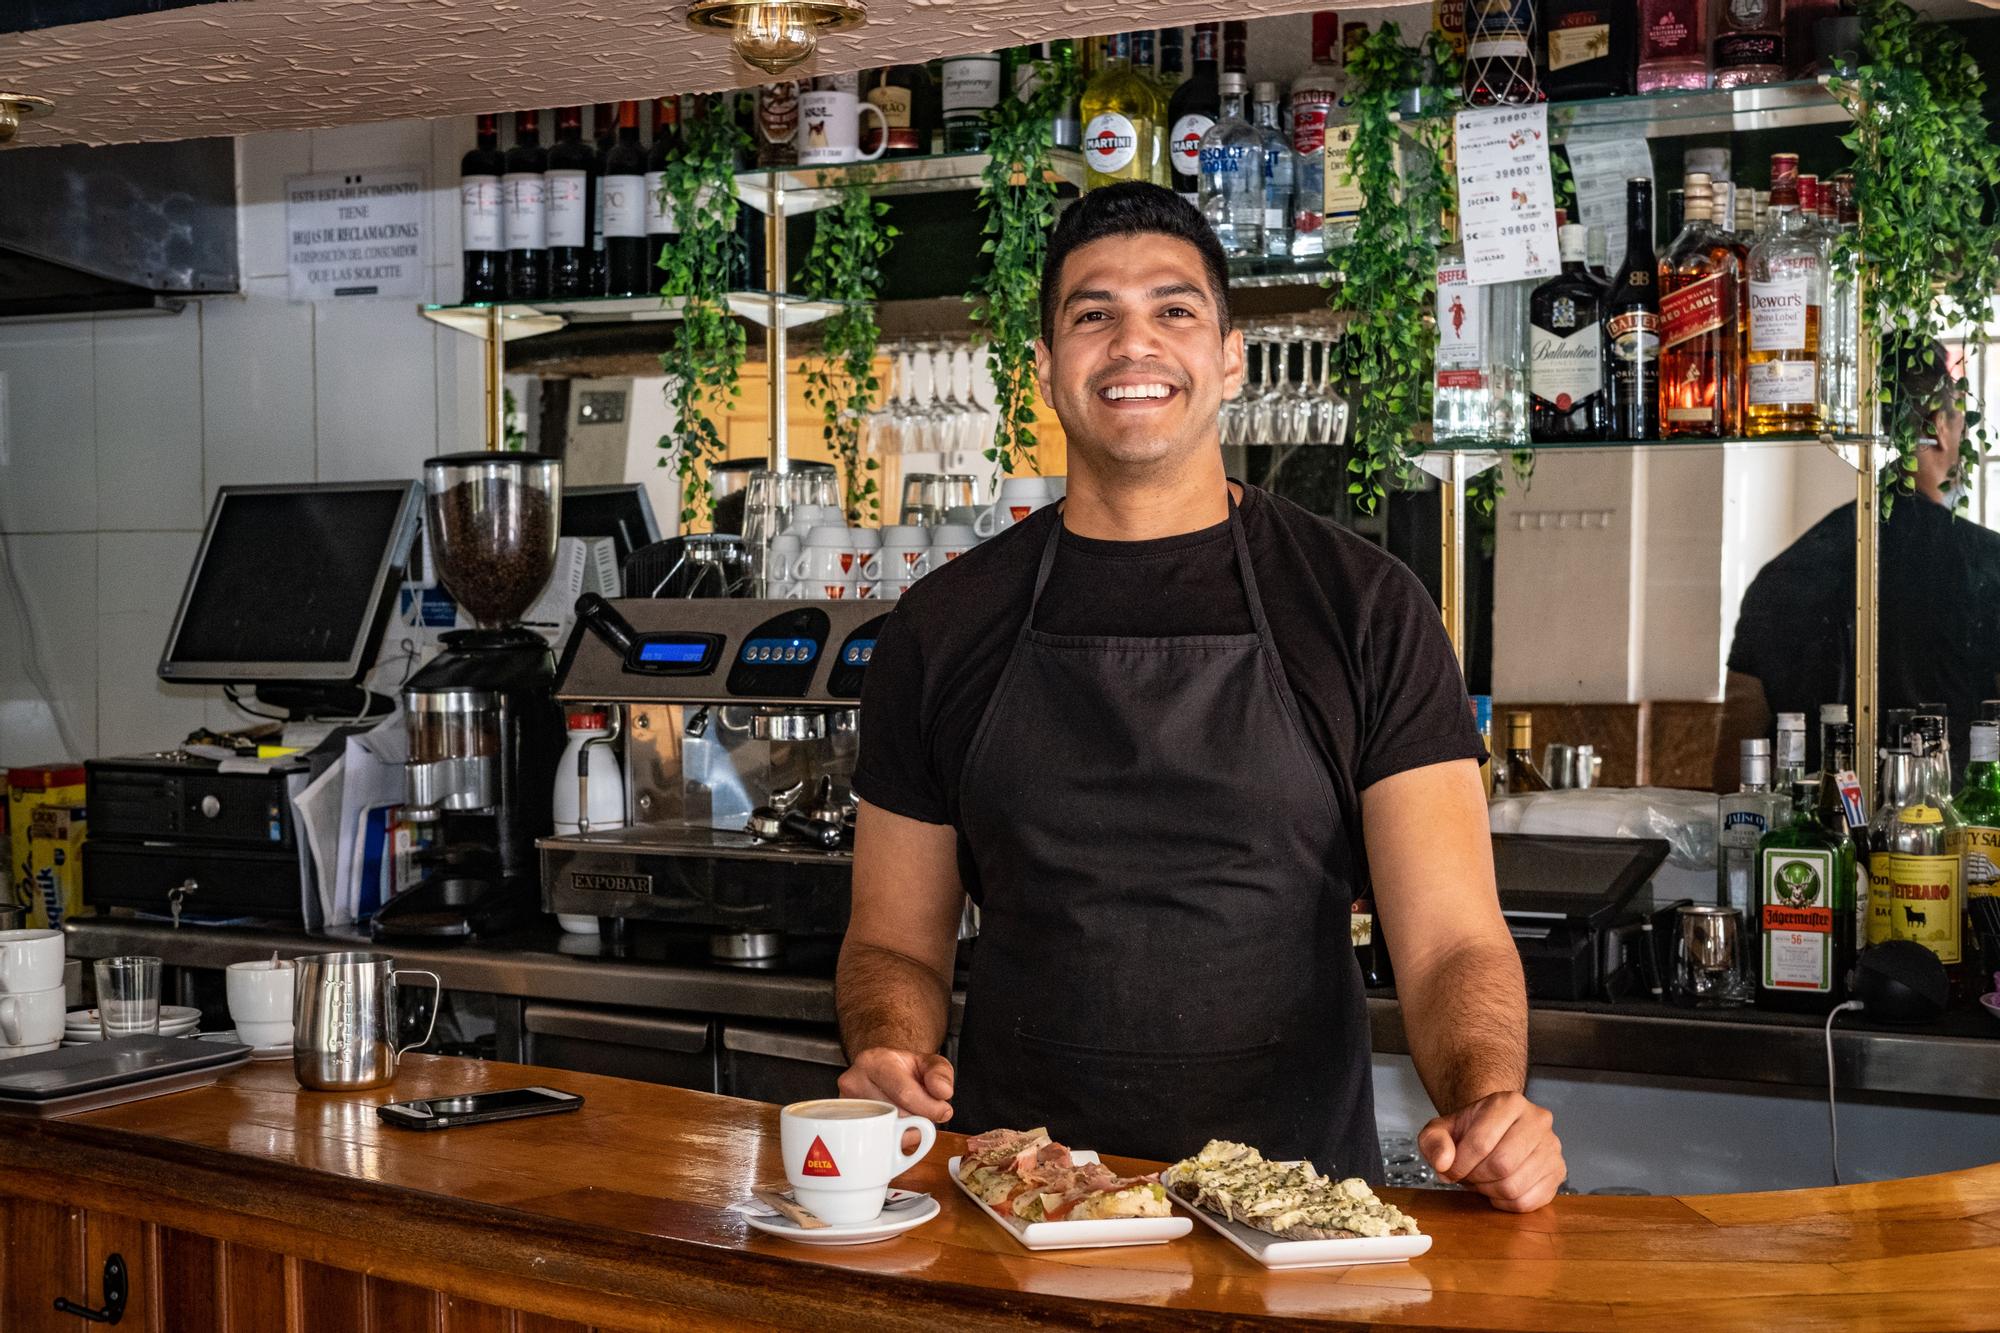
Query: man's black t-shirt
pixel 1938 618
pixel 1362 644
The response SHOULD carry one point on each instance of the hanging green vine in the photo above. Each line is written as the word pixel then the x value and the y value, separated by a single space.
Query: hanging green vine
pixel 1018 197
pixel 1925 168
pixel 845 264
pixel 1389 271
pixel 705 355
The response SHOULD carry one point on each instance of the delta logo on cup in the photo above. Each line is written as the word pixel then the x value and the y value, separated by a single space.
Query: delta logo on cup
pixel 841 1153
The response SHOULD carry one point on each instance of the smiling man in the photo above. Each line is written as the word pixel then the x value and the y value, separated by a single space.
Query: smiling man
pixel 1164 733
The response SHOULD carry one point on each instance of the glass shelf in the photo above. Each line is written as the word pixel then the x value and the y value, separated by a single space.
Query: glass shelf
pixel 527 319
pixel 1483 454
pixel 1667 115
pixel 1245 274
pixel 807 189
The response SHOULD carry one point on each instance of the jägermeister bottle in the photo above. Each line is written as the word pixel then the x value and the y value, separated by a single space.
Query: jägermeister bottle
pixel 1979 828
pixel 1806 887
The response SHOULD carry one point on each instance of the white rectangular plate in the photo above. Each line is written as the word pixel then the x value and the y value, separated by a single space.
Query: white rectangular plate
pixel 1081 1235
pixel 1272 1252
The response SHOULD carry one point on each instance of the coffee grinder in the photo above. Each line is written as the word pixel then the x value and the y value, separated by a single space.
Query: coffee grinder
pixel 483 726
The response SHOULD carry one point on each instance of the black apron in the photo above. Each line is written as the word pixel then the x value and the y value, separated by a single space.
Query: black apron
pixel 1161 868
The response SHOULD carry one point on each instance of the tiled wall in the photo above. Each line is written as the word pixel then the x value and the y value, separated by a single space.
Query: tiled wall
pixel 115 432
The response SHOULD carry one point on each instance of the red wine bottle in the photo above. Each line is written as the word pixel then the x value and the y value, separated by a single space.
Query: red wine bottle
pixel 479 175
pixel 524 211
pixel 604 120
pixel 661 224
pixel 625 268
pixel 570 187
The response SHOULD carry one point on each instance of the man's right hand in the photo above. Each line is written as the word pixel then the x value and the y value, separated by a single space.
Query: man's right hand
pixel 917 1084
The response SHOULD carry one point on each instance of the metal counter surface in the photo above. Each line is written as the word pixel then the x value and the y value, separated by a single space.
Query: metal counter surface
pixel 1958 1058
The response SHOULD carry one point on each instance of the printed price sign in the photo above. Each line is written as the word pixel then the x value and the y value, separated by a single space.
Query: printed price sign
pixel 356 234
pixel 1506 195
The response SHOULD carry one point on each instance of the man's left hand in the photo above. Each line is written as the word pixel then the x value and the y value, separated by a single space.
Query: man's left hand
pixel 1503 1145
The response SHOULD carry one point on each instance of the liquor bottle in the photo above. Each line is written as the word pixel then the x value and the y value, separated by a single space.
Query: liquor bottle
pixel 1701 282
pixel 777 125
pixel 1788 752
pixel 1026 65
pixel 1713 163
pixel 1173 61
pixel 1632 325
pixel 1145 50
pixel 1979 834
pixel 479 173
pixel 1480 388
pixel 1676 211
pixel 1522 775
pixel 1588 47
pixel 604 124
pixel 524 211
pixel 1787 291
pixel 1742 820
pixel 1566 349
pixel 1121 114
pixel 1673 45
pixel 570 190
pixel 904 93
pixel 1500 53
pixel 1806 888
pixel 1448 22
pixel 1194 107
pixel 1599 265
pixel 661 224
pixel 1896 787
pixel 1749 44
pixel 1802 18
pixel 1280 173
pixel 971 89
pixel 1840 321
pixel 1925 847
pixel 625 246
pixel 1316 95
pixel 1232 176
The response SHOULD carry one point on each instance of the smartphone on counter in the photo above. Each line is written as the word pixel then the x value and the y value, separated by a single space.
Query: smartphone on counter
pixel 477 1108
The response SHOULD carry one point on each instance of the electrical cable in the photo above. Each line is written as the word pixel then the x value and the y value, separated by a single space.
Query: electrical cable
pixel 1832 1118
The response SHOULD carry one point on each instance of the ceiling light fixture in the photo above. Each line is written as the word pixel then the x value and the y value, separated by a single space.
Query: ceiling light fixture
pixel 17 107
pixel 775 35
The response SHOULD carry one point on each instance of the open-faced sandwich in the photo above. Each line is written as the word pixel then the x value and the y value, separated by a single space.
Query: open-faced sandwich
pixel 1293 1202
pixel 1022 1174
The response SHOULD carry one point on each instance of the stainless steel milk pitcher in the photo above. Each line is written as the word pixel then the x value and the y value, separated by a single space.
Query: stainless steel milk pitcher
pixel 345 1020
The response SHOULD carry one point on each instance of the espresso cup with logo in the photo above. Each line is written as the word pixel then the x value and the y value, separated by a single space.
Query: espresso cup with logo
pixel 842 1152
pixel 949 541
pixel 30 960
pixel 828 556
pixel 905 554
pixel 260 1002
pixel 1019 497
pixel 830 128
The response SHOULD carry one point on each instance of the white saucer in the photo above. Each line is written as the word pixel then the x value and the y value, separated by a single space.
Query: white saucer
pixel 903 1211
pixel 256 1052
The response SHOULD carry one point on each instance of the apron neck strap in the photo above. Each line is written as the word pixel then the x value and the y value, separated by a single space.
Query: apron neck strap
pixel 1247 580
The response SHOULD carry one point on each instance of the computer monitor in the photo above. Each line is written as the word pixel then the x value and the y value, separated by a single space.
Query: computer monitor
pixel 622 513
pixel 293 584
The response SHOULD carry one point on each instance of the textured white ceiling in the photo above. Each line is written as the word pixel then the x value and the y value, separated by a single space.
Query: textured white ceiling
pixel 251 65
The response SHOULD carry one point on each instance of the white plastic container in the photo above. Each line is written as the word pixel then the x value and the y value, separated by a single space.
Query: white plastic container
pixel 606 793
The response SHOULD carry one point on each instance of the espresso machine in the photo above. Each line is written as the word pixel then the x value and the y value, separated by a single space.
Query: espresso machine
pixel 482 723
pixel 740 735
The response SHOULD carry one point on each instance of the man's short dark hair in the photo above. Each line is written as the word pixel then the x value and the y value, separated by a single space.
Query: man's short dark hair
pixel 1131 208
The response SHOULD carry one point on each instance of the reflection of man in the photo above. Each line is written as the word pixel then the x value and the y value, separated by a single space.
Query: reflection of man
pixel 1938 600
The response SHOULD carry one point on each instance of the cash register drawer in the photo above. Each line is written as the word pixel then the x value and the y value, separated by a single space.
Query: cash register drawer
pixel 227 882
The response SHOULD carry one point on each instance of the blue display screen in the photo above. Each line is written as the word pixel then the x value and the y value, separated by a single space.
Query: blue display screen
pixel 665 652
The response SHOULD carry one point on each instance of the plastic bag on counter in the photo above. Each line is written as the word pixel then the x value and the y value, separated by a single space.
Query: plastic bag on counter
pixel 1685 819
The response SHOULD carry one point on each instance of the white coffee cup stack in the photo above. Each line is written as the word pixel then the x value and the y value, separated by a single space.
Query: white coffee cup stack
pixel 32 998
pixel 260 1002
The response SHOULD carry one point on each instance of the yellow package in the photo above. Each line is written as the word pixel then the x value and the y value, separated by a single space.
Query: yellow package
pixel 45 817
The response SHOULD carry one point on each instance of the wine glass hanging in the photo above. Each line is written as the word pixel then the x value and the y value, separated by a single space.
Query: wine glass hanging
pixel 1500 53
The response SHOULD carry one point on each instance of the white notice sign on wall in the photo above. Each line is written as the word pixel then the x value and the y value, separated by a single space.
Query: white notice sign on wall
pixel 357 234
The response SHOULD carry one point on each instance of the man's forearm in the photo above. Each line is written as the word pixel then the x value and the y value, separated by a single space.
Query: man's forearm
pixel 888 999
pixel 1465 1013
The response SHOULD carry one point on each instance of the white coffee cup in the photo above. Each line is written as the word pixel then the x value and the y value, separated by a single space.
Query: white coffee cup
pixel 949 542
pixel 785 548
pixel 30 960
pixel 827 557
pixel 804 518
pixel 905 554
pixel 830 128
pixel 1019 497
pixel 842 1152
pixel 260 1002
pixel 32 1018
pixel 16 1052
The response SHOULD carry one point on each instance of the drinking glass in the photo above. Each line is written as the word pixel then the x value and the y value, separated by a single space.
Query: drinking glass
pixel 128 996
pixel 765 509
pixel 920 499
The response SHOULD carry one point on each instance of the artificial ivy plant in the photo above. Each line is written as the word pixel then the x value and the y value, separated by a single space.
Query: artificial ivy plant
pixel 845 264
pixel 1925 168
pixel 705 355
pixel 1389 271
pixel 1018 196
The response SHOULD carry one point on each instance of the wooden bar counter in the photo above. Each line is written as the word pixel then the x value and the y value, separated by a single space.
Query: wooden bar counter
pixel 254 1207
